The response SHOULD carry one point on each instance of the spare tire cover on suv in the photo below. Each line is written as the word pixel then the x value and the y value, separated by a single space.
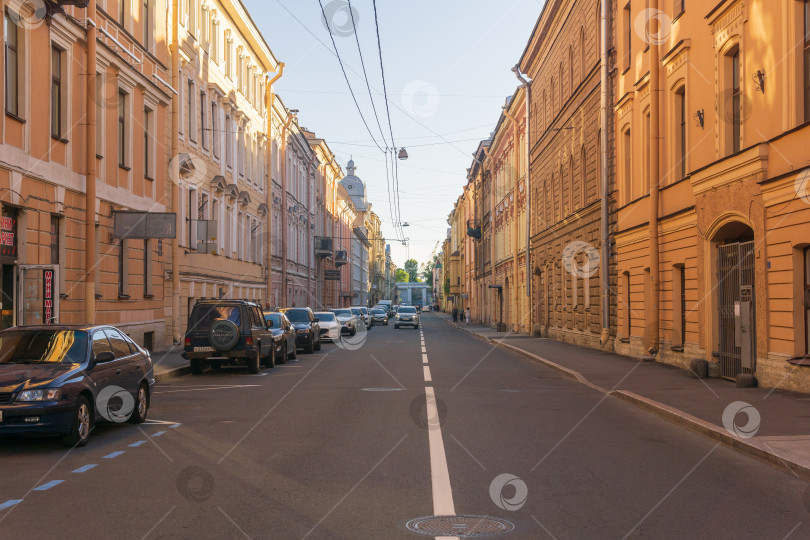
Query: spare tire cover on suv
pixel 223 335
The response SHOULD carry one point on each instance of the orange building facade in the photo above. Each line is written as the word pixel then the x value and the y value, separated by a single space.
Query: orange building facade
pixel 714 207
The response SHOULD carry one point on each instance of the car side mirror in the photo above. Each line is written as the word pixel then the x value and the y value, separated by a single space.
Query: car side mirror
pixel 104 357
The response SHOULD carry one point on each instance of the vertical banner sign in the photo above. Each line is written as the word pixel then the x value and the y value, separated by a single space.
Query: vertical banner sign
pixel 47 296
pixel 8 236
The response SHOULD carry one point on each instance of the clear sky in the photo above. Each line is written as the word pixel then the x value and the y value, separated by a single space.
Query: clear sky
pixel 447 70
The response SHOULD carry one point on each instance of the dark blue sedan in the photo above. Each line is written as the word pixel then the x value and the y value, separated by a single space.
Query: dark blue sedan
pixel 61 380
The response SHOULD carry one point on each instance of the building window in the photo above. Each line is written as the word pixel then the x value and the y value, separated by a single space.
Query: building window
pixel 122 129
pixel 733 115
pixel 12 64
pixel 583 62
pixel 122 10
pixel 678 7
pixel 228 57
pixel 628 36
pixel 807 301
pixel 192 129
pixel 625 305
pixel 55 239
pixel 148 154
pixel 228 142
pixel 57 102
pixel 647 173
pixel 203 134
pixel 147 25
pixel 678 305
pixel 627 152
pixel 214 129
pixel 583 181
pixel 680 134
pixel 123 268
pixel 806 9
pixel 214 31
pixel 148 288
pixel 99 114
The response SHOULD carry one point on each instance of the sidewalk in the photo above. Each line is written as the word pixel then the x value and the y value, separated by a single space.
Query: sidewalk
pixel 779 421
pixel 169 364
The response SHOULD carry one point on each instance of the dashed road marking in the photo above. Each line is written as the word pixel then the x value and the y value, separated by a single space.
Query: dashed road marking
pixel 424 358
pixel 137 444
pixel 85 468
pixel 114 455
pixel 439 473
pixel 10 503
pixel 426 371
pixel 49 485
pixel 158 434
pixel 175 426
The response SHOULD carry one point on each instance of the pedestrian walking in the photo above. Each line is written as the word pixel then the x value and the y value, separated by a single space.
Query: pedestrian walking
pixel 467 315
pixel 455 314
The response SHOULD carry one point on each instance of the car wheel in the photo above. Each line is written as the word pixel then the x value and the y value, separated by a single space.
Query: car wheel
pixel 271 362
pixel 292 353
pixel 141 406
pixel 283 358
pixel 309 348
pixel 253 362
pixel 197 366
pixel 318 344
pixel 81 425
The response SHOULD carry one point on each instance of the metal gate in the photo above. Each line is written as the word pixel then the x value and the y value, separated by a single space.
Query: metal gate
pixel 735 279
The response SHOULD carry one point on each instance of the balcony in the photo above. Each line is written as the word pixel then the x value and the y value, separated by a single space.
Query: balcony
pixel 473 229
pixel 341 257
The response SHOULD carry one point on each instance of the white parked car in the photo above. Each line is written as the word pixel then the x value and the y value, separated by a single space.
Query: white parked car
pixel 330 327
pixel 348 321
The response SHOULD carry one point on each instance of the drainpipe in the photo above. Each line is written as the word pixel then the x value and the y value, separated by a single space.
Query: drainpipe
pixel 90 182
pixel 174 172
pixel 311 284
pixel 655 96
pixel 603 157
pixel 527 85
pixel 515 301
pixel 284 302
pixel 270 99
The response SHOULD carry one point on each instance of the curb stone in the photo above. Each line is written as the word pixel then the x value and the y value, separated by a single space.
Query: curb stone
pixel 675 416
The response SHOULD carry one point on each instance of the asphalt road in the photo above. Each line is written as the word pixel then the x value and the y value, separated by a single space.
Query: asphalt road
pixel 345 444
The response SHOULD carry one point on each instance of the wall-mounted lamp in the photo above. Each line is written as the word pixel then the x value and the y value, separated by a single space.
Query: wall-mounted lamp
pixel 759 80
pixel 699 117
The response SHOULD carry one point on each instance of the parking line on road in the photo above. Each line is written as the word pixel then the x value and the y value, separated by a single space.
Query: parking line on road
pixel 137 444
pixel 158 434
pixel 10 503
pixel 84 469
pixel 426 371
pixel 175 426
pixel 439 473
pixel 114 455
pixel 49 485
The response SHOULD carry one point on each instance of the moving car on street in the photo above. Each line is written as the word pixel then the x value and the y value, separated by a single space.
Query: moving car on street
pixel 406 316
pixel 425 309
pixel 379 316
pixel 348 321
pixel 62 380
pixel 307 329
pixel 228 332
pixel 330 327
pixel 364 314
pixel 283 335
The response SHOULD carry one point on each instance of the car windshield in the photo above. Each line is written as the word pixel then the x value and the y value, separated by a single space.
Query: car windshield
pixel 202 317
pixel 342 312
pixel 356 311
pixel 297 315
pixel 273 319
pixel 325 316
pixel 364 309
pixel 407 309
pixel 43 347
pixel 378 312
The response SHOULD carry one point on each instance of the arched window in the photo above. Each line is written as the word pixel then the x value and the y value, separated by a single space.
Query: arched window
pixel 583 57
pixel 571 69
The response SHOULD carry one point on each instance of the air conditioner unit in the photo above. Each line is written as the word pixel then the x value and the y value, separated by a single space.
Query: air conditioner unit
pixel 341 257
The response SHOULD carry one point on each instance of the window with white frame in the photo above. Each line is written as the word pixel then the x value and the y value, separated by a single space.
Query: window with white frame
pixel 14 63
pixel 58 93
pixel 123 129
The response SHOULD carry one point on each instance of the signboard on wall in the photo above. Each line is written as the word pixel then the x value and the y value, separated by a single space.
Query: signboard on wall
pixel 133 225
pixel 8 233
pixel 47 296
pixel 331 275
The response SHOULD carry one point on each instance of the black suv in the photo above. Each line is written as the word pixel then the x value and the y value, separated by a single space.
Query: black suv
pixel 307 329
pixel 228 331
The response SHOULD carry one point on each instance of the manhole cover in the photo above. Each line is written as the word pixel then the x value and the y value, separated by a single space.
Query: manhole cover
pixel 382 389
pixel 461 526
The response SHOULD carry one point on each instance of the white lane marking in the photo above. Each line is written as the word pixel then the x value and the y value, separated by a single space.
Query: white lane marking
pixel 137 444
pixel 49 485
pixel 158 434
pixel 424 350
pixel 175 426
pixel 84 469
pixel 439 473
pixel 209 388
pixel 114 455
pixel 10 503
pixel 424 358
pixel 426 371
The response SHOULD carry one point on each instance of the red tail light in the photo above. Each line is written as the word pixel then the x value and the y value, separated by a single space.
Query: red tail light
pixel 188 342
pixel 249 341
